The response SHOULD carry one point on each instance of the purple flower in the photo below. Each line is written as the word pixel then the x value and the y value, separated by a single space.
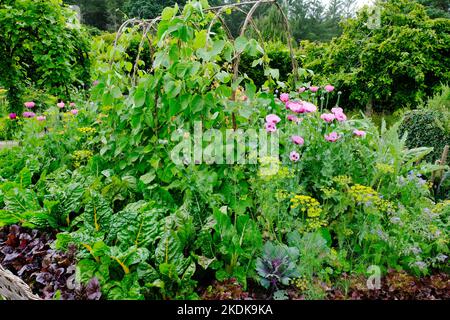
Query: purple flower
pixel 13 116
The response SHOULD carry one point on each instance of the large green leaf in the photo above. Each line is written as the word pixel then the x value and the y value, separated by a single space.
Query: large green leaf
pixel 21 200
pixel 138 224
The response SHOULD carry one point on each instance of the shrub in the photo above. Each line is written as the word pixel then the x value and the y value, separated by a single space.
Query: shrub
pixel 280 59
pixel 429 127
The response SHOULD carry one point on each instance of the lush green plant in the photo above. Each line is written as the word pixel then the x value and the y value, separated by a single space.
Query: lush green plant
pixel 427 128
pixel 277 265
pixel 395 64
pixel 280 59
pixel 336 199
pixel 42 45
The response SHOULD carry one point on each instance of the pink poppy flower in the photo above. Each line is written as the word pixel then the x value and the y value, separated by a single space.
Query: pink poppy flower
pixel 271 127
pixel 61 105
pixel 294 156
pixel 327 117
pixel 329 88
pixel 29 104
pixel 359 133
pixel 273 118
pixel 296 107
pixel 284 97
pixel 337 110
pixel 13 116
pixel 301 90
pixel 298 140
pixel 95 82
pixel 313 88
pixel 291 117
pixel 332 137
pixel 72 104
pixel 340 116
pixel 309 107
pixel 28 114
pixel 41 118
pixel 74 111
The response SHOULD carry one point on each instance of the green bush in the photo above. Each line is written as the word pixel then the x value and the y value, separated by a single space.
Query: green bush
pixel 280 59
pixel 425 129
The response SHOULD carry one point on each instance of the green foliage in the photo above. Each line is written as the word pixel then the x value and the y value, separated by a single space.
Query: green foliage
pixel 237 244
pixel 150 225
pixel 279 58
pixel 148 9
pixel 42 45
pixel 396 64
pixel 429 127
pixel 437 8
pixel 101 14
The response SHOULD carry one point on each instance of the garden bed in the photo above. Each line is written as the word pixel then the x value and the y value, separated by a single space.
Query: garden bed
pixel 49 273
pixel 27 254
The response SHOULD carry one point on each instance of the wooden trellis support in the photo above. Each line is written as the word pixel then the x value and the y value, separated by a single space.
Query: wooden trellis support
pixel 150 24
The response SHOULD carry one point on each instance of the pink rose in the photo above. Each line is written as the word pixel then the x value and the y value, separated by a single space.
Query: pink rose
pixel 294 156
pixel 329 88
pixel 61 105
pixel 332 137
pixel 328 117
pixel 313 88
pixel 271 127
pixel 74 111
pixel 273 118
pixel 359 133
pixel 298 140
pixel 29 104
pixel 284 97
pixel 41 118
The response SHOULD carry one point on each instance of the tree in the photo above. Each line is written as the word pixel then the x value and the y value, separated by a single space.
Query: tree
pixel 149 9
pixel 437 8
pixel 309 20
pixel 42 45
pixel 102 14
pixel 397 64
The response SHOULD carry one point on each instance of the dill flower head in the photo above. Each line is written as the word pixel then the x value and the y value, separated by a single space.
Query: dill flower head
pixel 384 168
pixel 87 130
pixel 342 180
pixel 307 205
pixel 81 156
